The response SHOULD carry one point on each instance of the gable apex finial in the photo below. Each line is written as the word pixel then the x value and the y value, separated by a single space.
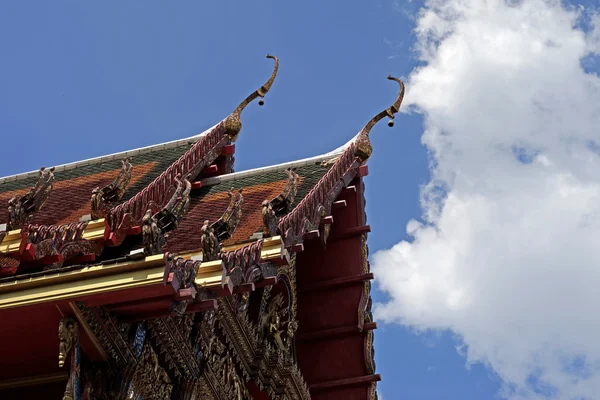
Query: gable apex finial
pixel 363 147
pixel 388 112
pixel 233 122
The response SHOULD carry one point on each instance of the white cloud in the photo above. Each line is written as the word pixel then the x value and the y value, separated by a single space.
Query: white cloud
pixel 508 253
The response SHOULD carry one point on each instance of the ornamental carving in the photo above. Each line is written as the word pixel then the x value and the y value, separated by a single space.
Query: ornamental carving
pixel 283 202
pixel 156 226
pixel 280 205
pixel 153 237
pixel 307 215
pixel 273 322
pixel 243 264
pixel 171 337
pixel 210 245
pixel 363 148
pixel 20 209
pixel 65 240
pixel 269 218
pixel 233 123
pixel 67 336
pixel 150 381
pixel 202 153
pixel 157 194
pixel 172 213
pixel 225 226
pixel 105 198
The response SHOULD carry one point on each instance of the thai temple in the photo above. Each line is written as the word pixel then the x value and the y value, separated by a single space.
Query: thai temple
pixel 160 273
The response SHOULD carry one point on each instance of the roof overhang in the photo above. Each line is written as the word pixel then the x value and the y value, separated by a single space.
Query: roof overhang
pixel 130 278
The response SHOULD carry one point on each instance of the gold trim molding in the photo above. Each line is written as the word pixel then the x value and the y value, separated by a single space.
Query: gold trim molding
pixel 33 380
pixel 94 279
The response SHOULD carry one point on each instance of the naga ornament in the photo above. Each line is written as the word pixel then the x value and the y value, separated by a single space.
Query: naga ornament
pixel 280 205
pixel 103 199
pixel 269 218
pixel 213 235
pixel 210 245
pixel 225 226
pixel 154 239
pixel 20 209
pixel 363 148
pixel 233 123
pixel 155 227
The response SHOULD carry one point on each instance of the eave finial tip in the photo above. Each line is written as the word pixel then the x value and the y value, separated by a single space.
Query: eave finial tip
pixel 363 147
pixel 233 122
pixel 390 111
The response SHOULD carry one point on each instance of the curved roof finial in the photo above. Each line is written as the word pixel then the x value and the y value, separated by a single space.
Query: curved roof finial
pixel 363 148
pixel 389 112
pixel 233 121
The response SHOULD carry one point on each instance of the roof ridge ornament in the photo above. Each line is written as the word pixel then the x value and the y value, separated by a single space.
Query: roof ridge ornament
pixel 273 210
pixel 155 227
pixel 363 148
pixel 20 209
pixel 213 235
pixel 233 123
pixel 104 198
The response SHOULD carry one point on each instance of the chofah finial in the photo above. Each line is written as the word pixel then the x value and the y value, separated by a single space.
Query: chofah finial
pixel 233 123
pixel 363 147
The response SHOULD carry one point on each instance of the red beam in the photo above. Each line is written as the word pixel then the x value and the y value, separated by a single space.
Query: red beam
pixel 226 288
pixel 327 220
pixel 128 306
pixel 28 252
pixel 82 259
pixel 297 248
pixel 8 271
pixel 271 281
pixel 121 296
pixel 244 288
pixel 350 232
pixel 347 280
pixel 186 294
pixel 134 230
pixel 111 240
pixel 211 170
pixel 363 170
pixel 228 150
pixel 311 235
pixel 333 333
pixel 343 383
pixel 370 326
pixel 338 204
pixel 52 259
pixel 205 305
pixel 197 185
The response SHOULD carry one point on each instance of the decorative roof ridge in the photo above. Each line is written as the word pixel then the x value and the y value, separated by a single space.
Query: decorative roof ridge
pixel 308 213
pixel 110 157
pixel 202 153
pixel 234 176
pixel 231 123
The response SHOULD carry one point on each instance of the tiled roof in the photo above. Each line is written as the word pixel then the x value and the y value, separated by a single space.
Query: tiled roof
pixel 210 202
pixel 70 198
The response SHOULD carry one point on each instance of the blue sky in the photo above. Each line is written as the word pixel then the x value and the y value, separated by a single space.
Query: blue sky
pixel 79 80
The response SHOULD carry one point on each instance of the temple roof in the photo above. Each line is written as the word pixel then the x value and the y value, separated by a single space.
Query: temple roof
pixel 171 229
pixel 74 182
pixel 96 208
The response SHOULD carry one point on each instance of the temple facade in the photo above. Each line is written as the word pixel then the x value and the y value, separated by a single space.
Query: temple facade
pixel 160 273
